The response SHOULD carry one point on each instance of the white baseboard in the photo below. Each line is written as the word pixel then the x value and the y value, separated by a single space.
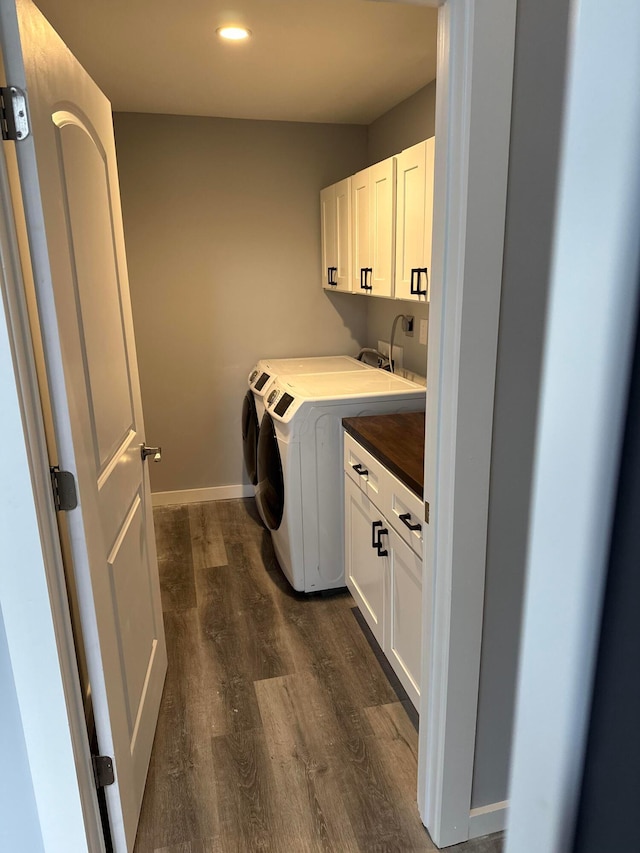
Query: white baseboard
pixel 488 819
pixel 194 496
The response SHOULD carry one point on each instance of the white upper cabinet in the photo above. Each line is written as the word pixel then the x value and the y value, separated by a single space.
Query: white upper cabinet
pixel 335 218
pixel 414 221
pixel 376 227
pixel 373 229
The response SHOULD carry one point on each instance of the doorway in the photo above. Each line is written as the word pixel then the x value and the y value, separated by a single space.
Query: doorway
pixel 446 189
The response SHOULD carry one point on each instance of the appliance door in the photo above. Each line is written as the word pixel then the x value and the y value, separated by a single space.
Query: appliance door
pixel 250 432
pixel 270 488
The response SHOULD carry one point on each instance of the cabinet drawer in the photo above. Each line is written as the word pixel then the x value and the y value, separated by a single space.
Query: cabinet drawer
pixel 404 510
pixel 365 470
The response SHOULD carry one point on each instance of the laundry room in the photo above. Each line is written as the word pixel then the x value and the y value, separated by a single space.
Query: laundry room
pixel 295 583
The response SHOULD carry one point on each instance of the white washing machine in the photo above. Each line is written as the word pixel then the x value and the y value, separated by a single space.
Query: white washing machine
pixel 261 380
pixel 300 488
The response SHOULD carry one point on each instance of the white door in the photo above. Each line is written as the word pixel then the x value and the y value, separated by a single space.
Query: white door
pixel 70 190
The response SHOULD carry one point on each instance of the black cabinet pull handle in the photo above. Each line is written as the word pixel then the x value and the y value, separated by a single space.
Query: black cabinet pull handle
pixel 330 272
pixel 404 518
pixel 360 471
pixel 416 272
pixel 375 541
pixel 364 271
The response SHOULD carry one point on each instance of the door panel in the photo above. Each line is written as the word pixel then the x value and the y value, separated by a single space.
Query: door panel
pixel 136 637
pixel 69 185
pixel 85 194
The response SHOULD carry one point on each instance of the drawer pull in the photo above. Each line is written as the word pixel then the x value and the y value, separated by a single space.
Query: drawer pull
pixel 375 540
pixel 360 471
pixel 405 519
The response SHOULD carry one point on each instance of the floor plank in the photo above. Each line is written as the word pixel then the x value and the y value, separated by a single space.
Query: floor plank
pixel 250 817
pixel 207 540
pixel 175 558
pixel 302 735
pixel 279 730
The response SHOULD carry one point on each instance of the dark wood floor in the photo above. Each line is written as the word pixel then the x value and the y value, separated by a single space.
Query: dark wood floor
pixel 278 729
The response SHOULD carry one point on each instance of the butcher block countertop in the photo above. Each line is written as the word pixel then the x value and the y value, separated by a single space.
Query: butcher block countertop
pixel 397 441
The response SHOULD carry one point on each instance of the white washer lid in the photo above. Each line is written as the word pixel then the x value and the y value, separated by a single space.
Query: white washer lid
pixel 314 364
pixel 334 386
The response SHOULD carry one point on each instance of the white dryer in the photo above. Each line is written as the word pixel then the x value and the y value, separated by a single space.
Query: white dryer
pixel 300 490
pixel 267 371
pixel 261 380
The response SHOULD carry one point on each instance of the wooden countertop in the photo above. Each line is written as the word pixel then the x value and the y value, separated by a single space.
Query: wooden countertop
pixel 397 441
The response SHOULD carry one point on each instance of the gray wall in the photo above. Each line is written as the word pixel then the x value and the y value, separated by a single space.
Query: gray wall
pixel 535 129
pixel 407 123
pixel 222 229
pixel 19 821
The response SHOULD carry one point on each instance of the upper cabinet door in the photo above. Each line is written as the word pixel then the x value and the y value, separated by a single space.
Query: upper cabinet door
pixel 382 194
pixel 373 196
pixel 343 234
pixel 361 233
pixel 328 228
pixel 414 221
pixel 335 220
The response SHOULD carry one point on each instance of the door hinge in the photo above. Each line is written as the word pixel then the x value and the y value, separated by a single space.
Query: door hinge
pixel 103 770
pixel 63 484
pixel 426 512
pixel 14 116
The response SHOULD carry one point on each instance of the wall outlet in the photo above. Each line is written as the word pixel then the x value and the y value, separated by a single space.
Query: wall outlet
pixel 398 352
pixel 423 332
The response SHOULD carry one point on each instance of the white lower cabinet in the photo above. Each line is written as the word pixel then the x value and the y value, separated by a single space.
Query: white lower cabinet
pixel 404 634
pixel 366 570
pixel 383 561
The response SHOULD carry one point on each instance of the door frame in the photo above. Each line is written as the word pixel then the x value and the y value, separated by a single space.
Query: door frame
pixel 475 42
pixel 588 353
pixel 476 48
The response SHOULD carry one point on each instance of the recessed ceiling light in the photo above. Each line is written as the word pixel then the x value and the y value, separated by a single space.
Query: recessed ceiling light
pixel 233 33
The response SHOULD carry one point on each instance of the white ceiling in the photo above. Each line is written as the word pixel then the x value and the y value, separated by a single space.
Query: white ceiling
pixel 307 60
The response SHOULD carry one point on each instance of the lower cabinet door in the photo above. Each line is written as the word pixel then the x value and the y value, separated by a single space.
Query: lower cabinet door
pixel 366 565
pixel 404 631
